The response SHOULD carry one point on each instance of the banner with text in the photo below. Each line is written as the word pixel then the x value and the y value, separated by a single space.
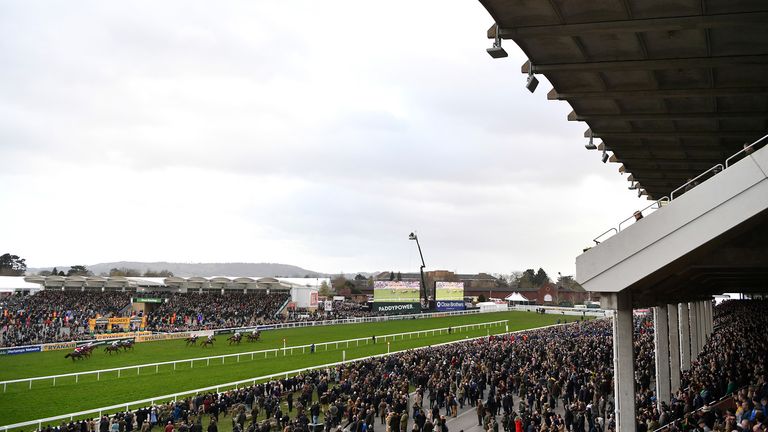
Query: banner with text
pixel 20 350
pixel 396 308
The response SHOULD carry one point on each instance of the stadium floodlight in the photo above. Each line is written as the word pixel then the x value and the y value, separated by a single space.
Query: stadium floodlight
pixel 496 51
pixel 591 145
pixel 413 236
pixel 532 82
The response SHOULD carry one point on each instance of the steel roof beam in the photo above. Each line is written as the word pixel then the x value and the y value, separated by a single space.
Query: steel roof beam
pixel 657 93
pixel 655 64
pixel 673 134
pixel 573 116
pixel 633 25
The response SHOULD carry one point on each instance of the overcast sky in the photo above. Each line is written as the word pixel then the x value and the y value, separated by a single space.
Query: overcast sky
pixel 310 133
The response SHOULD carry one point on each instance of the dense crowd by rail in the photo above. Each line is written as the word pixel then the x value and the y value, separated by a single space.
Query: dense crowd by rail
pixel 555 379
pixel 549 380
pixel 54 316
pixel 193 311
pixel 734 361
pixel 515 382
pixel 60 316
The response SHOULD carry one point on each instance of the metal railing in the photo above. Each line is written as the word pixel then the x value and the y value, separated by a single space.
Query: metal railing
pixel 231 385
pixel 295 324
pixel 282 307
pixel 369 319
pixel 657 203
pixel 715 170
pixel 615 231
pixel 695 181
pixel 747 149
pixel 276 351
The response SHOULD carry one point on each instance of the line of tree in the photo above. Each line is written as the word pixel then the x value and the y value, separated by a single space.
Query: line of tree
pixel 75 270
pixel 126 272
pixel 81 270
pixel 12 265
pixel 533 279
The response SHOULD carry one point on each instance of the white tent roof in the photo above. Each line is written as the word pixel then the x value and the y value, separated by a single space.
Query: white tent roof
pixel 516 296
pixel 16 283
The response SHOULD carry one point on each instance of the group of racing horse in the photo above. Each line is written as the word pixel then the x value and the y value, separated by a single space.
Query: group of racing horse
pixel 236 338
pixel 85 351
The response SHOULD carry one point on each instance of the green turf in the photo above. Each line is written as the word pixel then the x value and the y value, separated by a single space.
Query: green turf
pixel 44 400
pixel 53 362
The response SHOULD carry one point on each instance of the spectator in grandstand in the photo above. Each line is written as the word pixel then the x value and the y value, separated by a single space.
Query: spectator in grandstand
pixel 524 376
pixel 55 316
pixel 194 311
pixel 734 361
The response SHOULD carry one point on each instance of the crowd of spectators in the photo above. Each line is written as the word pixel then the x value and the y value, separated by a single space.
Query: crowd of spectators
pixel 549 380
pixel 54 316
pixel 734 361
pixel 60 316
pixel 514 383
pixel 338 310
pixel 195 311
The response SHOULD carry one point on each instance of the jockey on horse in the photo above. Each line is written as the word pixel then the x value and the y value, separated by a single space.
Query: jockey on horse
pixel 114 347
pixel 208 341
pixel 192 340
pixel 235 338
pixel 254 335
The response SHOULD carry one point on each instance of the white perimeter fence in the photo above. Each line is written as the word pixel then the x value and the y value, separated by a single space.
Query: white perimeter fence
pixel 104 337
pixel 217 388
pixel 275 352
pixel 369 319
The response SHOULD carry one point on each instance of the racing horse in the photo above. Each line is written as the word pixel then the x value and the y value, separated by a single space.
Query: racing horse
pixel 112 348
pixel 192 340
pixel 254 336
pixel 77 354
pixel 208 341
pixel 81 352
pixel 235 338
pixel 126 344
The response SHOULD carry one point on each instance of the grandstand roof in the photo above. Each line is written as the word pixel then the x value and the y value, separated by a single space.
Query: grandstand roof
pixel 671 87
pixel 16 283
pixel 215 282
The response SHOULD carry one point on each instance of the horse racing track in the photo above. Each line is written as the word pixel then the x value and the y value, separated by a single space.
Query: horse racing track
pixel 22 401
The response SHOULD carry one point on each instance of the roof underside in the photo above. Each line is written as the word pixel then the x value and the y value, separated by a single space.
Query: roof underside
pixel 672 87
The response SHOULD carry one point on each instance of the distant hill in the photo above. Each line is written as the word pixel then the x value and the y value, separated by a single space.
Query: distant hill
pixel 199 269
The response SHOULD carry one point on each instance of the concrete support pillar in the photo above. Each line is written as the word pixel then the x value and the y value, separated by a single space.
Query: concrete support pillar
pixel 705 324
pixel 710 317
pixel 694 326
pixel 623 364
pixel 674 349
pixel 661 340
pixel 684 332
pixel 701 319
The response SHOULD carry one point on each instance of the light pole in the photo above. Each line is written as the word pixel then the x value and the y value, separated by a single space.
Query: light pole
pixel 413 236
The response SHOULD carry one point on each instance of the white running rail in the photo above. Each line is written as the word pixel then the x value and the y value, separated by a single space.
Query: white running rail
pixel 276 351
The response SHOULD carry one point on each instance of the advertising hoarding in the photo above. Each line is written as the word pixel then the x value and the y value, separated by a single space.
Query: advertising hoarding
pixel 449 296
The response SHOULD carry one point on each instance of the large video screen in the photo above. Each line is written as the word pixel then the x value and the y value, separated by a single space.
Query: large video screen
pixel 449 291
pixel 396 292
